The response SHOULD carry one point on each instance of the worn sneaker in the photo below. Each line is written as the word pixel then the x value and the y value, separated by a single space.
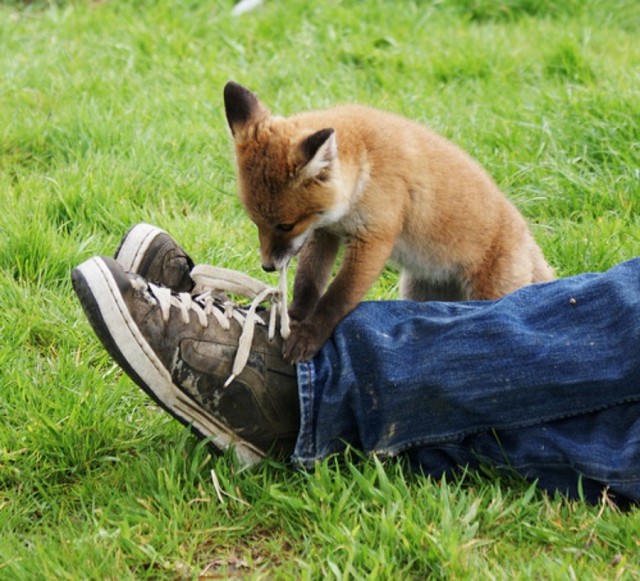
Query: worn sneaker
pixel 211 364
pixel 150 252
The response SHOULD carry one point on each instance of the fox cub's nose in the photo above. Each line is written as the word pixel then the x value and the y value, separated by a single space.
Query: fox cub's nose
pixel 268 267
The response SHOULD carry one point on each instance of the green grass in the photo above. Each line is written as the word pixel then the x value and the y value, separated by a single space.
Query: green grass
pixel 111 113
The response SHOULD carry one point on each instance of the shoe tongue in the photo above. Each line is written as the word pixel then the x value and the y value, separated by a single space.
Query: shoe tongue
pixel 209 278
pixel 214 279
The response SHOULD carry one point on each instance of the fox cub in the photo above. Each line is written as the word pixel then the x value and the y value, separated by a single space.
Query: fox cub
pixel 388 188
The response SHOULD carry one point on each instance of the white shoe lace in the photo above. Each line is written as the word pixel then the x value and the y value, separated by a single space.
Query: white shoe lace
pixel 208 298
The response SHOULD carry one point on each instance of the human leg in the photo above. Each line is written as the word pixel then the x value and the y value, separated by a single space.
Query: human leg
pixel 511 382
pixel 580 455
pixel 532 368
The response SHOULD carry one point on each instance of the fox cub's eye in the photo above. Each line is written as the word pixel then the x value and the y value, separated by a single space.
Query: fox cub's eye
pixel 285 227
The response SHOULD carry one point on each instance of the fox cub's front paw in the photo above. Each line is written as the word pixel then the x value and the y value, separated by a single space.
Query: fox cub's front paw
pixel 303 343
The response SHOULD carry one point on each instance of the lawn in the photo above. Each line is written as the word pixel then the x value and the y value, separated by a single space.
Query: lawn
pixel 111 113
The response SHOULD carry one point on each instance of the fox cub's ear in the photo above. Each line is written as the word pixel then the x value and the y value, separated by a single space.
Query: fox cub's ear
pixel 243 108
pixel 318 150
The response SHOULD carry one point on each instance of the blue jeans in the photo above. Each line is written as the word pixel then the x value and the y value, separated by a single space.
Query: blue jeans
pixel 545 381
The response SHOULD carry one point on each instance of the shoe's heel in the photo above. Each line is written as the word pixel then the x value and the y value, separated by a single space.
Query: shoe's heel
pixel 135 245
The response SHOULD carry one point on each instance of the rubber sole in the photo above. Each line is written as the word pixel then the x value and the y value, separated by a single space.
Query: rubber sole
pixel 109 317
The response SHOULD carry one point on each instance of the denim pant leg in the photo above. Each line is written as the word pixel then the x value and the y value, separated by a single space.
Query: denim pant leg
pixel 579 455
pixel 551 369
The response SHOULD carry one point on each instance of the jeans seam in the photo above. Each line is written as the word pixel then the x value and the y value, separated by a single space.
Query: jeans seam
pixel 305 442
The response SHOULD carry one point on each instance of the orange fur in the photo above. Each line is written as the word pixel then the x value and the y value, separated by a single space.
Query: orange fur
pixel 386 187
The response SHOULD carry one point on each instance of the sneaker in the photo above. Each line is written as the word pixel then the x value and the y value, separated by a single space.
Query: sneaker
pixel 211 364
pixel 150 252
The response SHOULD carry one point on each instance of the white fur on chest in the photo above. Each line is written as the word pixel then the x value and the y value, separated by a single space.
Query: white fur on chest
pixel 424 264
